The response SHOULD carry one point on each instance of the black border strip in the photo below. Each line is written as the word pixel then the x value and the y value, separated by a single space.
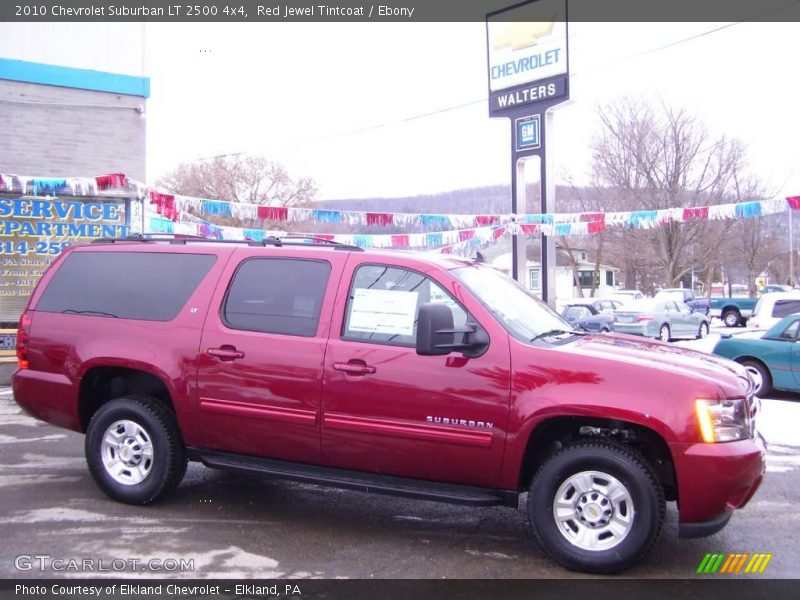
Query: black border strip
pixel 731 588
pixel 399 10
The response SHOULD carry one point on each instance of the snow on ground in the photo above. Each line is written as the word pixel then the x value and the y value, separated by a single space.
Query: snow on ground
pixel 779 420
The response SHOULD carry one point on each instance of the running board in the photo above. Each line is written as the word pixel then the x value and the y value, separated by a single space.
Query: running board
pixel 356 480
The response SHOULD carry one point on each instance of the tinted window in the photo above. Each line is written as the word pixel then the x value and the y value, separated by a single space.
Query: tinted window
pixel 784 308
pixel 790 333
pixel 573 313
pixel 384 303
pixel 276 295
pixel 150 286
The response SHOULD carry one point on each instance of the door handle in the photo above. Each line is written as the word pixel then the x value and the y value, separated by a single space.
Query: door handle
pixel 355 368
pixel 225 353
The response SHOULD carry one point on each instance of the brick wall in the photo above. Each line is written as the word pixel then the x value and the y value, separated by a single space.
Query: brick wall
pixel 61 132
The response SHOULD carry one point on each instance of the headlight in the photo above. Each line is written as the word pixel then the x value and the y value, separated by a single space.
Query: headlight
pixel 723 420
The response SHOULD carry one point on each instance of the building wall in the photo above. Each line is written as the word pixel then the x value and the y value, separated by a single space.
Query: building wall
pixel 55 131
pixel 72 99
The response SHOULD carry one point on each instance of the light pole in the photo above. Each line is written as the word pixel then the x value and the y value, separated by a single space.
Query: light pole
pixel 791 250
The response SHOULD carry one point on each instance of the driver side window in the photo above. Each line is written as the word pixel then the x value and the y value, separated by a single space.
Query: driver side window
pixel 384 302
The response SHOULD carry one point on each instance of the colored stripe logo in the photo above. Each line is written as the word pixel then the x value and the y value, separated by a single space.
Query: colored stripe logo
pixel 736 563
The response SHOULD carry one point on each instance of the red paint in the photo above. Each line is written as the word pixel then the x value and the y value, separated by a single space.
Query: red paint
pixel 382 408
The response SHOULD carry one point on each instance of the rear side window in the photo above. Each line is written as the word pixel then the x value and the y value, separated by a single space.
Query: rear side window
pixel 148 286
pixel 784 308
pixel 277 295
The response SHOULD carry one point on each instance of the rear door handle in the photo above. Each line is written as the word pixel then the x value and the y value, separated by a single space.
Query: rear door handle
pixel 225 353
pixel 354 368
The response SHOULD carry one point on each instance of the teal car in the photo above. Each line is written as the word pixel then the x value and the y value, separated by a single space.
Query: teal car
pixel 773 360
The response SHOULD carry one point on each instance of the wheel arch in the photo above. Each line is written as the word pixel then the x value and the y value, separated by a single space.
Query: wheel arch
pixel 102 383
pixel 555 432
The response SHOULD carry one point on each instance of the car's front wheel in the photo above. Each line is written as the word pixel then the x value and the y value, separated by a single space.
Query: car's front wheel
pixel 761 377
pixel 134 449
pixel 596 507
pixel 702 333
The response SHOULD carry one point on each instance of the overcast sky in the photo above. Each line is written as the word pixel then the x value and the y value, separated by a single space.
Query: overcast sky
pixel 343 103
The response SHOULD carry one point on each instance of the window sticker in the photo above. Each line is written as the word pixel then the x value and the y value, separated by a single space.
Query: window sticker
pixel 383 311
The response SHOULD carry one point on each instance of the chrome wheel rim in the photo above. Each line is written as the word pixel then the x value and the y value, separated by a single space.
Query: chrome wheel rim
pixel 755 375
pixel 664 333
pixel 127 452
pixel 593 511
pixel 703 331
pixel 730 319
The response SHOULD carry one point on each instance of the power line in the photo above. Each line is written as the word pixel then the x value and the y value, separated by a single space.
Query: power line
pixel 470 103
pixel 603 66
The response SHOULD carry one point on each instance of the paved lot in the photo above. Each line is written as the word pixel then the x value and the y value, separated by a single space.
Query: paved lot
pixel 233 526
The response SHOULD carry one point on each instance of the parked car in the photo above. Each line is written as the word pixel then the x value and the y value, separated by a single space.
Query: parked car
pixel 626 295
pixel 426 376
pixel 771 360
pixel 772 307
pixel 661 319
pixel 733 311
pixel 687 296
pixel 595 315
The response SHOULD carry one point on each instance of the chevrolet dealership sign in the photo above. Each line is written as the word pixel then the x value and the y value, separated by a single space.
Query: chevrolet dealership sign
pixel 527 52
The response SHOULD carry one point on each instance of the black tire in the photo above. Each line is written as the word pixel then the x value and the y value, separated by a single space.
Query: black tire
pixel 702 332
pixel 766 377
pixel 604 330
pixel 731 318
pixel 613 462
pixel 664 333
pixel 156 448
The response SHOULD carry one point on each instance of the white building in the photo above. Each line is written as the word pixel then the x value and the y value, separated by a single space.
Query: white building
pixel 566 284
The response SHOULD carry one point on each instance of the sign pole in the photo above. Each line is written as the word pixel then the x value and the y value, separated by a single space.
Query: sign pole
pixel 527 47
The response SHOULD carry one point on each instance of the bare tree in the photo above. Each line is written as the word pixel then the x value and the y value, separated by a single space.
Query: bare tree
pixel 238 178
pixel 585 200
pixel 664 158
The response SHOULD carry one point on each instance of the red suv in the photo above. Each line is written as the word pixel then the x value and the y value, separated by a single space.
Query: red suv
pixel 391 372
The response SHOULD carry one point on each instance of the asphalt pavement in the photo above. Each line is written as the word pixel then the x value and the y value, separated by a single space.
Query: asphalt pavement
pixel 219 524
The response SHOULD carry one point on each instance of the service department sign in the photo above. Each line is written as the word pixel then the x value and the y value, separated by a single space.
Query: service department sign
pixel 527 54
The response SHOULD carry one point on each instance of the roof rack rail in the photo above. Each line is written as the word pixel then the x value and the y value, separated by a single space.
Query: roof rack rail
pixel 183 239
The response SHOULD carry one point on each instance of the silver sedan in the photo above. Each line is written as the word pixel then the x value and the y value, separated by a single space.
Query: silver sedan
pixel 660 319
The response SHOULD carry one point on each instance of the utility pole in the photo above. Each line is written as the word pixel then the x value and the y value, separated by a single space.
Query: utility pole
pixel 791 249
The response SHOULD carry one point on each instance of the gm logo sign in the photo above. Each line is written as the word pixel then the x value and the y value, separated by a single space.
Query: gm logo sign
pixel 528 133
pixel 740 562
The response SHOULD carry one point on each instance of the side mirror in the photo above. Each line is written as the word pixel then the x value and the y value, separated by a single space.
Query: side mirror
pixel 436 333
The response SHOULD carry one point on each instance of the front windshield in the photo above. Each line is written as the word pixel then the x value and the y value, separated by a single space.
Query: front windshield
pixel 640 305
pixel 669 295
pixel 521 313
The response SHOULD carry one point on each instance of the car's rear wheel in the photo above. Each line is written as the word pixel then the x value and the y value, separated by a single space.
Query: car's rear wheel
pixel 663 333
pixel 596 507
pixel 134 449
pixel 702 333
pixel 760 376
